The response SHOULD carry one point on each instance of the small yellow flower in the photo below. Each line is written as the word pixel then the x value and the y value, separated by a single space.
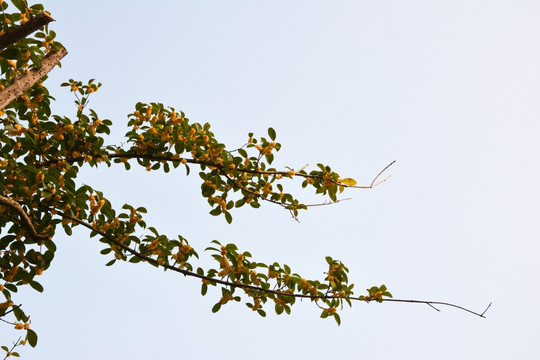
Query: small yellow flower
pixel 40 176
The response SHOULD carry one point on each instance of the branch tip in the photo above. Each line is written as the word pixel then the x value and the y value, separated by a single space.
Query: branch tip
pixel 380 173
pixel 482 314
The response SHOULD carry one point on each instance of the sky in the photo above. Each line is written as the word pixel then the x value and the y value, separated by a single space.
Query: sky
pixel 448 89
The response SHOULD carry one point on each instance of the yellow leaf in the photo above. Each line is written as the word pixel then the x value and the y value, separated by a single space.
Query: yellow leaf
pixel 349 182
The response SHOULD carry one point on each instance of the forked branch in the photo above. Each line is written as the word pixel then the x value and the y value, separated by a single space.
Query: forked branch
pixel 431 303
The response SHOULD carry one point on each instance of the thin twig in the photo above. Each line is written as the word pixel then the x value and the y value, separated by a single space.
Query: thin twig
pixel 15 344
pixel 431 303
pixel 329 202
pixel 486 310
pixel 7 322
pixel 379 174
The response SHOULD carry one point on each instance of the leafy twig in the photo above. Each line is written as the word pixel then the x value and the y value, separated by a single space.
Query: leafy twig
pixel 241 285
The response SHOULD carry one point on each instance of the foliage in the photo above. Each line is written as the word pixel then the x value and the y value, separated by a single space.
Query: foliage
pixel 40 157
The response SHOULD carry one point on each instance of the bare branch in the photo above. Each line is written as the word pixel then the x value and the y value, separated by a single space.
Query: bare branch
pixel 379 174
pixel 329 202
pixel 25 82
pixel 431 303
pixel 26 223
pixel 486 310
pixel 17 33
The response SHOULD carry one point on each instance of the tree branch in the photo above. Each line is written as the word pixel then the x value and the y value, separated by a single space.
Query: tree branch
pixel 25 82
pixel 26 223
pixel 240 285
pixel 209 163
pixel 19 32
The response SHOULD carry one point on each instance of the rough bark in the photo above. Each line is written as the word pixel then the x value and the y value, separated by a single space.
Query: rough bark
pixel 25 82
pixel 17 33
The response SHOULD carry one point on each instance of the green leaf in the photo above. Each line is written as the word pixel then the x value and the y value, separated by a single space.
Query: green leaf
pixel 337 318
pixel 216 308
pixel 67 229
pixel 324 315
pixel 287 269
pixel 272 133
pixel 36 286
pixel 19 314
pixel 228 217
pixel 19 4
pixel 110 262
pixel 50 245
pixel 243 152
pixel 204 289
pixel 240 203
pixel 261 312
pixel 207 190
pixel 32 337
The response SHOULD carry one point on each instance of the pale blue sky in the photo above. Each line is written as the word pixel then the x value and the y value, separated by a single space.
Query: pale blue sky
pixel 449 89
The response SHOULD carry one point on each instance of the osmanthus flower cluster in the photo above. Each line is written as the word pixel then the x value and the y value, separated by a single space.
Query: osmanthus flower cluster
pixel 41 154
